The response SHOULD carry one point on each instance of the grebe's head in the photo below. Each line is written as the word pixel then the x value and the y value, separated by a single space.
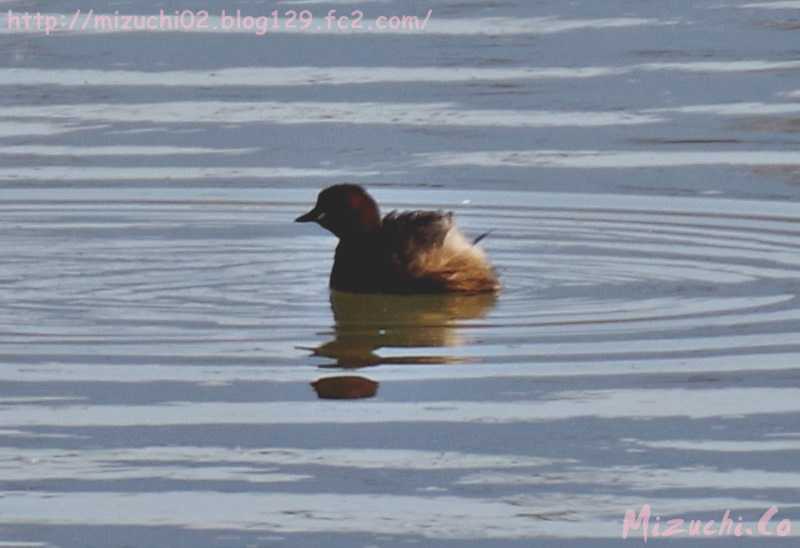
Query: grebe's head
pixel 346 210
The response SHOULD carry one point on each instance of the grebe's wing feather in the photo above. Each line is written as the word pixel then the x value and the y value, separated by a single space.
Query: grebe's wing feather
pixel 429 248
pixel 417 231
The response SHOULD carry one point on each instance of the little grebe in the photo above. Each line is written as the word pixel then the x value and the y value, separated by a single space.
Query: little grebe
pixel 409 252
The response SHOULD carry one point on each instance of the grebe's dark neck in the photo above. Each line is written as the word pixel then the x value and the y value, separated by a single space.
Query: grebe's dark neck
pixel 357 264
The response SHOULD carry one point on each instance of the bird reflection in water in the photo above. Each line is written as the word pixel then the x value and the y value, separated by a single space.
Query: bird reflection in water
pixel 365 323
pixel 344 387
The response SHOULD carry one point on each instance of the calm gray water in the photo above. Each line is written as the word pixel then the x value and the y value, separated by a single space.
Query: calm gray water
pixel 162 319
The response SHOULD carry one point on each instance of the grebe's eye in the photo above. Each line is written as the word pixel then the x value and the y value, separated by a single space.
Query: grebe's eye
pixel 320 216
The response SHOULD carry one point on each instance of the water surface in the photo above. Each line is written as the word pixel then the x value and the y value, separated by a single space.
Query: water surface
pixel 163 319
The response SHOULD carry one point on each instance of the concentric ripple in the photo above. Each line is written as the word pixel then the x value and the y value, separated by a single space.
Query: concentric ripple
pixel 234 281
